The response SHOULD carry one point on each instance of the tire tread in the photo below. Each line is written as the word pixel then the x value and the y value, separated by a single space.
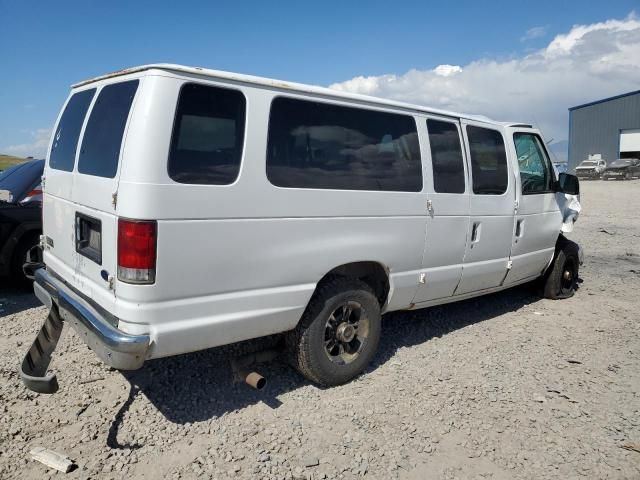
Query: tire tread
pixel 298 340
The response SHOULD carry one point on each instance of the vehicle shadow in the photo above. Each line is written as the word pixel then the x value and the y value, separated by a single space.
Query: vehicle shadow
pixel 15 299
pixel 197 387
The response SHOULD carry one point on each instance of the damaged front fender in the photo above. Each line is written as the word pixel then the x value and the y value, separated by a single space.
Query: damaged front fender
pixel 570 208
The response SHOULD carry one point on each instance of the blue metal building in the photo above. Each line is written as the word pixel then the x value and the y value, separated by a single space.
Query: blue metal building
pixel 609 127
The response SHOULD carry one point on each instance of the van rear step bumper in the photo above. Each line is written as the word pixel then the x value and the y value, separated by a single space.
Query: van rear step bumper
pixel 115 348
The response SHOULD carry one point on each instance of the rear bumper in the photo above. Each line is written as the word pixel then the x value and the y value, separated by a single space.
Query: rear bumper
pixel 114 347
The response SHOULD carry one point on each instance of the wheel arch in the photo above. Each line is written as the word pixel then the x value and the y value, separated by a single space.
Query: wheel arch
pixel 561 241
pixel 373 273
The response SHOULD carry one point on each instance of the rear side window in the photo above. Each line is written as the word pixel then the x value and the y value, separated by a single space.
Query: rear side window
pixel 488 161
pixel 208 134
pixel 446 157
pixel 102 139
pixel 318 145
pixel 65 139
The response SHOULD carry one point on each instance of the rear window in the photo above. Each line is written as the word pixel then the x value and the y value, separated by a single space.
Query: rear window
pixel 319 145
pixel 208 134
pixel 488 161
pixel 102 139
pixel 65 139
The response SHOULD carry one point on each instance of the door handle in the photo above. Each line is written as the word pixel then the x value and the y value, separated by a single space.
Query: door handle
pixel 520 228
pixel 430 207
pixel 475 232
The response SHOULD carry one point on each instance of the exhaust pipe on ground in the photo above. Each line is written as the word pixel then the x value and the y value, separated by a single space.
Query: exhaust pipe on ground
pixel 242 372
pixel 255 380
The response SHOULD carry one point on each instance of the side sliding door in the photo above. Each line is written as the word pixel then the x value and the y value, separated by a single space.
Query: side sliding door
pixel 491 211
pixel 447 209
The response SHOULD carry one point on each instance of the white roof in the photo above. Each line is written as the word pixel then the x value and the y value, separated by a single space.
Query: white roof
pixel 284 85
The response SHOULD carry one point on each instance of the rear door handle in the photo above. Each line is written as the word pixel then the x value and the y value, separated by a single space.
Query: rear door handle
pixel 520 228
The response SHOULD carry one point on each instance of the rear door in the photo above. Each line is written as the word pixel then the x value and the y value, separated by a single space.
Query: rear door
pixel 81 185
pixel 491 210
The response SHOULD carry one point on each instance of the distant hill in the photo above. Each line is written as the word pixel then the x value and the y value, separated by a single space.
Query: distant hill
pixel 7 160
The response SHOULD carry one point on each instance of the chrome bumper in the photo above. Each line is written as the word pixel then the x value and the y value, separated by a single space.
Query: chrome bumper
pixel 114 347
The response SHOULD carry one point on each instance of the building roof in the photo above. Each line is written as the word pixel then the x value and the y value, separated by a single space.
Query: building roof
pixel 605 100
pixel 280 84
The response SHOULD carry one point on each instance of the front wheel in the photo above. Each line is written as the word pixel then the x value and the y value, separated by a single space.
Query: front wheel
pixel 338 334
pixel 562 278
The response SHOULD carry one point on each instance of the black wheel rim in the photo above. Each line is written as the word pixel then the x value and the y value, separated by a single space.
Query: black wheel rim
pixel 569 276
pixel 346 333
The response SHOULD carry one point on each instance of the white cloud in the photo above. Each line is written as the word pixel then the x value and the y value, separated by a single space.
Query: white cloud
pixel 587 63
pixel 533 33
pixel 37 148
pixel 447 70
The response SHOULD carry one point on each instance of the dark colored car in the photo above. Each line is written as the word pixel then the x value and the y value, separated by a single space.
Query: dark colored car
pixel 20 216
pixel 622 169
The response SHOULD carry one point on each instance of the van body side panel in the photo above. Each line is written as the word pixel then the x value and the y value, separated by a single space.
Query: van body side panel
pixel 259 273
pixel 241 261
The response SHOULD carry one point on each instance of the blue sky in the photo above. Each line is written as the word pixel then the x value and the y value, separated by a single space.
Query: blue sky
pixel 46 46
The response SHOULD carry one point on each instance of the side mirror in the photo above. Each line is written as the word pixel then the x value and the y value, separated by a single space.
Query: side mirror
pixel 569 184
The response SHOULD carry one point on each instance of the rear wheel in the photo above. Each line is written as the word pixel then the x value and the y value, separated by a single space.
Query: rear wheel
pixel 562 278
pixel 338 334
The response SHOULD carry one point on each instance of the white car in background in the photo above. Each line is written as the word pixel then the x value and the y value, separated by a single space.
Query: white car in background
pixel 591 169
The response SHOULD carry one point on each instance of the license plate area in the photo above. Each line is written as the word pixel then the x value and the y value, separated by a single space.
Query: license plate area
pixel 89 237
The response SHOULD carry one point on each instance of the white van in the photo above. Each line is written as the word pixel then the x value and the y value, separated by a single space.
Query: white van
pixel 187 208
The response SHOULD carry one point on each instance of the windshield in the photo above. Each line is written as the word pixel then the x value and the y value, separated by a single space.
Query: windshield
pixel 588 164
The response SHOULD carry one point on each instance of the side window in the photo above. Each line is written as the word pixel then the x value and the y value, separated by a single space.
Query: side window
pixel 319 145
pixel 102 139
pixel 446 157
pixel 65 138
pixel 208 135
pixel 535 169
pixel 488 161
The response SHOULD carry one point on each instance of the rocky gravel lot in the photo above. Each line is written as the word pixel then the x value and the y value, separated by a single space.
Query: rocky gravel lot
pixel 500 387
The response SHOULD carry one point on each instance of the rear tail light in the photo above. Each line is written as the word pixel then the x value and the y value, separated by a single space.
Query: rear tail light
pixel 137 251
pixel 36 192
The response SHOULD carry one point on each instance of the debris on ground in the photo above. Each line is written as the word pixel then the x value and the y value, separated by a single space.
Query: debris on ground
pixel 633 448
pixel 52 459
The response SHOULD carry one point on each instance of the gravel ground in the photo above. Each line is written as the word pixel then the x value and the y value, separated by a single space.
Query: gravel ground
pixel 504 386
